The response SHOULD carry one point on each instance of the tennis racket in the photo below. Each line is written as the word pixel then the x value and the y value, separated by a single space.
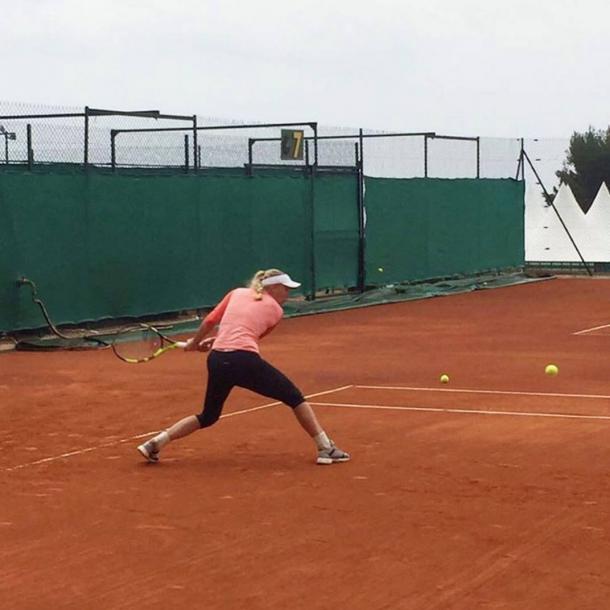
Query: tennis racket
pixel 143 345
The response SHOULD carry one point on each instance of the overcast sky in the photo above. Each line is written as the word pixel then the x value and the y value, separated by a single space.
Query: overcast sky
pixel 511 68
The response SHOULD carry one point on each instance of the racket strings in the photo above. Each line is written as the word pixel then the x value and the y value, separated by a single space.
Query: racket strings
pixel 139 345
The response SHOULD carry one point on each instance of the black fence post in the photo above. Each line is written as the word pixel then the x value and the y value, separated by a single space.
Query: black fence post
pixel 29 145
pixel 521 162
pixel 312 218
pixel 361 216
pixel 251 142
pixel 113 134
pixel 196 148
pixel 86 143
pixel 425 156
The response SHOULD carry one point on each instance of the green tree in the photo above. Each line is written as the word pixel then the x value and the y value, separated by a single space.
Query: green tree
pixel 587 165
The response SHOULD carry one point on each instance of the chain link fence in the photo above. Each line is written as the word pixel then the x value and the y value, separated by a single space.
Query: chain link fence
pixel 42 134
pixel 34 135
pixel 57 140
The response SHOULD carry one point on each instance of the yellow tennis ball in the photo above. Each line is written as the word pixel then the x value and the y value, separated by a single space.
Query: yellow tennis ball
pixel 444 378
pixel 380 269
pixel 551 369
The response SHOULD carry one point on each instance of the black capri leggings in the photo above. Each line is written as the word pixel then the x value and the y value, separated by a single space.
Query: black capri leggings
pixel 246 370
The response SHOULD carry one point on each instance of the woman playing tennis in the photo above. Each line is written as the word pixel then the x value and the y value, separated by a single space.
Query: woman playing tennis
pixel 244 316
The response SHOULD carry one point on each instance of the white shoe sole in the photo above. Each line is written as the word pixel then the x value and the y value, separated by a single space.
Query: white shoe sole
pixel 326 461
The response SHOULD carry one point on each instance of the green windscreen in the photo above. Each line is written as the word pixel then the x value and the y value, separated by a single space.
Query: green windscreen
pixel 102 246
pixel 336 231
pixel 430 228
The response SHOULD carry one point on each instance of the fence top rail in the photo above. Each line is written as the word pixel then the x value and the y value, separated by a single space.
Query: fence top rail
pixel 146 114
pixel 442 137
pixel 357 136
pixel 92 112
pixel 311 124
pixel 59 115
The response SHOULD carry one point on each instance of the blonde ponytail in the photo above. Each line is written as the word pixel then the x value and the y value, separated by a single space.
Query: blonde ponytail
pixel 256 283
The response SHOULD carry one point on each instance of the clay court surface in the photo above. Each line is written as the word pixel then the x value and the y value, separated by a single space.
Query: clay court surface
pixel 491 492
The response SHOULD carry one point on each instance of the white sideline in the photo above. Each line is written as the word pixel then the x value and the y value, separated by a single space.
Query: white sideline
pixel 589 330
pixel 461 411
pixel 468 391
pixel 144 435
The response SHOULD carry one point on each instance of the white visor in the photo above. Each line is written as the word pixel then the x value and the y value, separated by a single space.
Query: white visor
pixel 283 279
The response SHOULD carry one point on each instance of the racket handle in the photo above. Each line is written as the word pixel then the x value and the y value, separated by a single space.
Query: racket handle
pixel 181 344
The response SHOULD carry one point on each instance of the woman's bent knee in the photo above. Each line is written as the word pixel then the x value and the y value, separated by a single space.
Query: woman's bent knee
pixel 207 419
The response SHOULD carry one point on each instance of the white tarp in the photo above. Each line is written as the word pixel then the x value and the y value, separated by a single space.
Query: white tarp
pixel 547 240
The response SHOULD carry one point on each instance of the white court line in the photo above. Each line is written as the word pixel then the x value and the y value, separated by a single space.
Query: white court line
pixel 461 411
pixel 271 404
pixel 138 436
pixel 589 330
pixel 78 452
pixel 466 391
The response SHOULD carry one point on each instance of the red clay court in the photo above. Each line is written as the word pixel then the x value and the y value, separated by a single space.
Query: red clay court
pixel 491 492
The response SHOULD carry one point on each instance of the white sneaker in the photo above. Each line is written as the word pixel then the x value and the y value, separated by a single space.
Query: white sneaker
pixel 150 451
pixel 331 455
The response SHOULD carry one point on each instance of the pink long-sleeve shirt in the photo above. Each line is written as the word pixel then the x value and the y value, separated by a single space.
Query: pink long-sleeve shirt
pixel 243 320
